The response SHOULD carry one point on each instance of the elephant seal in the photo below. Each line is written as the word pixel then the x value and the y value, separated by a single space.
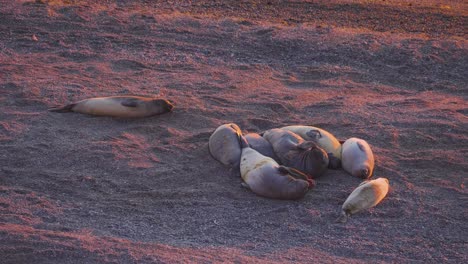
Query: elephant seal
pixel 224 144
pixel 324 139
pixel 118 106
pixel 265 177
pixel 261 145
pixel 294 151
pixel 368 194
pixel 357 158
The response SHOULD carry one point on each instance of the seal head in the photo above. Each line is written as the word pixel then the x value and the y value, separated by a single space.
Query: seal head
pixel 357 158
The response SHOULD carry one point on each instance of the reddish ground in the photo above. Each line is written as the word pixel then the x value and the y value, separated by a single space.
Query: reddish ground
pixel 82 189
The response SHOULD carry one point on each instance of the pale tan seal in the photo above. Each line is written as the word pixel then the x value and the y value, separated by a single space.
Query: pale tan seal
pixel 119 106
pixel 323 138
pixel 293 151
pixel 265 177
pixel 224 144
pixel 368 194
pixel 357 158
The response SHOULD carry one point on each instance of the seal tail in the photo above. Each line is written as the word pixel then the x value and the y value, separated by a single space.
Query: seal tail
pixel 62 109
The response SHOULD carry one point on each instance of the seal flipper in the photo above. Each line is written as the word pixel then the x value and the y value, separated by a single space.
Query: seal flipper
pixel 361 146
pixel 306 145
pixel 293 172
pixel 314 134
pixel 245 185
pixel 130 102
pixel 62 109
pixel 242 140
pixel 297 174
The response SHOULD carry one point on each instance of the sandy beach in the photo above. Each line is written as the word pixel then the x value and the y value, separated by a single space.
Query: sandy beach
pixel 76 188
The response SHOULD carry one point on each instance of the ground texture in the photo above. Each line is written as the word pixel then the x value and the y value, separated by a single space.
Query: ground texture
pixel 82 189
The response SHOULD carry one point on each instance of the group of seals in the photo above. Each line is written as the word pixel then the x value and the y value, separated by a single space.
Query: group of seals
pixel 118 106
pixel 256 157
pixel 305 152
pixel 281 163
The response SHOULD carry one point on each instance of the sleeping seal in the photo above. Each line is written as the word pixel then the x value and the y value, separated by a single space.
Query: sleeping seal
pixel 261 145
pixel 294 151
pixel 118 106
pixel 265 177
pixel 324 139
pixel 357 158
pixel 368 194
pixel 224 144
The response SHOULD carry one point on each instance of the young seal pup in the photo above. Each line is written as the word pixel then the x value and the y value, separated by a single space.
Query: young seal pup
pixel 357 158
pixel 265 177
pixel 118 106
pixel 368 194
pixel 224 145
pixel 294 151
pixel 324 139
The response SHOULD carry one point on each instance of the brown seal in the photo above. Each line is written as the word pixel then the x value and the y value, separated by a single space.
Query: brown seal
pixel 323 138
pixel 293 151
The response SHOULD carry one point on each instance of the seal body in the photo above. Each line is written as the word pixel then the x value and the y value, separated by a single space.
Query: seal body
pixel 261 145
pixel 357 158
pixel 119 106
pixel 224 144
pixel 368 194
pixel 323 138
pixel 293 151
pixel 265 177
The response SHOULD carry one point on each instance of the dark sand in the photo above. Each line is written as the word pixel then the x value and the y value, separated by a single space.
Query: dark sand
pixel 82 189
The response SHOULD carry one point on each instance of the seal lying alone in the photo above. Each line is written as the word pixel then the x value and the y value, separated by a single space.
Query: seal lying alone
pixel 368 194
pixel 118 106
pixel 265 177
